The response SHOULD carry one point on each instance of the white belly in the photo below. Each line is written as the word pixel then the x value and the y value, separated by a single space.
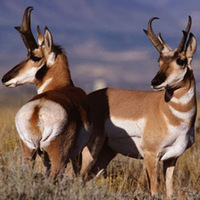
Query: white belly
pixel 124 135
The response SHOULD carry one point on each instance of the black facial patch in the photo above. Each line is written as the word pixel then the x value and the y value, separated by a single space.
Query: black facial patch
pixel 35 58
pixel 41 72
pixel 158 79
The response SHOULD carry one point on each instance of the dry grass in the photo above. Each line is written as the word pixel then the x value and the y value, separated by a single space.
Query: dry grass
pixel 126 178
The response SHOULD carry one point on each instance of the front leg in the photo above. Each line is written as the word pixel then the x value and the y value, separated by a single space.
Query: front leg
pixel 168 170
pixel 151 166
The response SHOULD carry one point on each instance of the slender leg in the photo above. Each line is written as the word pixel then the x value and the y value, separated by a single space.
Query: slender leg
pixel 58 151
pixel 56 158
pixel 46 162
pixel 168 170
pixel 91 153
pixel 151 165
pixel 87 159
pixel 99 163
pixel 105 156
pixel 29 155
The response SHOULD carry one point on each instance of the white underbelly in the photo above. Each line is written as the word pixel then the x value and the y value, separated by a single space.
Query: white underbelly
pixel 124 135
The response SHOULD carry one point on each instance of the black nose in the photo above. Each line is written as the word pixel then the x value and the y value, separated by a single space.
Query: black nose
pixel 158 79
pixel 155 82
pixel 5 78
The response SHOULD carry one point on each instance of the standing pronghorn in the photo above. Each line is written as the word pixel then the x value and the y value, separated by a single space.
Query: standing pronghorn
pixel 54 123
pixel 153 125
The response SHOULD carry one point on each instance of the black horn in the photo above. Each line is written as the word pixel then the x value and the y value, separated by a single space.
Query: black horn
pixel 185 34
pixel 153 38
pixel 25 30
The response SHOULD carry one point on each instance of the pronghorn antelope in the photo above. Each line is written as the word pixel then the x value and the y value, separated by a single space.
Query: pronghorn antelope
pixel 54 123
pixel 153 125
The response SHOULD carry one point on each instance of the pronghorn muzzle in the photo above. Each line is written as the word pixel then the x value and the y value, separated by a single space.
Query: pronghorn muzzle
pixel 6 79
pixel 158 80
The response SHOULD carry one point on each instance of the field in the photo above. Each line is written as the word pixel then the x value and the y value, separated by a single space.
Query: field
pixel 126 178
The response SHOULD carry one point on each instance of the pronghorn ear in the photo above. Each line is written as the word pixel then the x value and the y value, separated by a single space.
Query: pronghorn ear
pixel 40 36
pixel 48 41
pixel 191 46
pixel 48 47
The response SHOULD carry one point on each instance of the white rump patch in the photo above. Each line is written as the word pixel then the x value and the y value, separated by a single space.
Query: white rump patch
pixel 53 119
pixel 22 122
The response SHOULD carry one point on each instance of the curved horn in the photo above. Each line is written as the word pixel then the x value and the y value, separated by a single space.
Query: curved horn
pixel 151 35
pixel 25 30
pixel 185 34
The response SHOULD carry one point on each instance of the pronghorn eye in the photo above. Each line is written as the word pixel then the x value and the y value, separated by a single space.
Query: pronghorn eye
pixel 181 62
pixel 35 58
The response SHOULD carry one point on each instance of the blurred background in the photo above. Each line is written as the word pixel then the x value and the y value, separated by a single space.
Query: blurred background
pixel 104 40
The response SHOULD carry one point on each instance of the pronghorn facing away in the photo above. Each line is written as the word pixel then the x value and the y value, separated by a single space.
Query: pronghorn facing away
pixel 54 123
pixel 153 125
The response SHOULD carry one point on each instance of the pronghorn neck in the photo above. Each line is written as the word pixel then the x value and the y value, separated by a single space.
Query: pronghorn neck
pixel 180 106
pixel 184 92
pixel 56 76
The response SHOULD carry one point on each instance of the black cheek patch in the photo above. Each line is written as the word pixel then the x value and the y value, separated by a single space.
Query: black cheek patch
pixel 41 72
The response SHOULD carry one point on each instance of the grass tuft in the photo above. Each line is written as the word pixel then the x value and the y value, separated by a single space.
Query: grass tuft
pixel 126 178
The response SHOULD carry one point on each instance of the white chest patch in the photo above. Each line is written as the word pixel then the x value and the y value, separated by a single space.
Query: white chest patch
pixel 179 136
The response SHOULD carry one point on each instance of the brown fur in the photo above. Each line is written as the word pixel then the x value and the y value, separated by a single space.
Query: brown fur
pixel 133 105
pixel 61 91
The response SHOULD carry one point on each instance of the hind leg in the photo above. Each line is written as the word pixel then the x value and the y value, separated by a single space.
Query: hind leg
pixel 91 152
pixel 57 158
pixel 58 151
pixel 101 162
pixel 46 161
pixel 29 155
pixel 105 156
